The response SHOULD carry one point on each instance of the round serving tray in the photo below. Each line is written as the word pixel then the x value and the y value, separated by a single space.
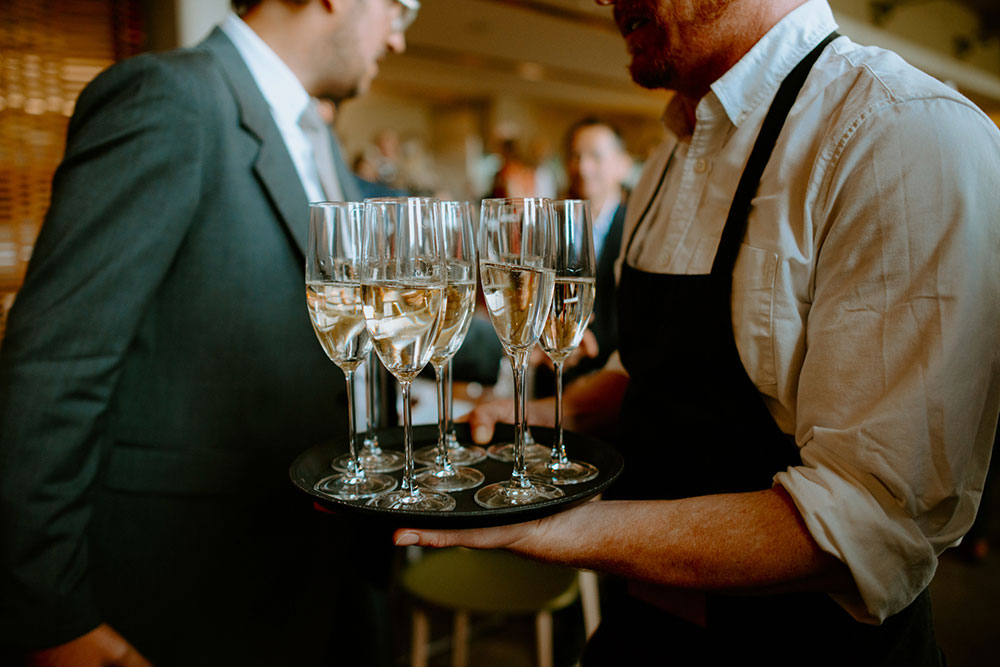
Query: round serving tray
pixel 314 464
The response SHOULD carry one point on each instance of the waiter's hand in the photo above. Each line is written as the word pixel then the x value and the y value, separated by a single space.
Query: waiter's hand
pixel 587 349
pixel 536 539
pixel 484 418
pixel 500 537
pixel 101 647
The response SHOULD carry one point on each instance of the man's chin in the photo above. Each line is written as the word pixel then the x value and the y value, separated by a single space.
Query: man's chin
pixel 651 75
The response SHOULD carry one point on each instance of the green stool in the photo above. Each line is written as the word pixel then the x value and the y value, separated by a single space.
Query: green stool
pixel 469 581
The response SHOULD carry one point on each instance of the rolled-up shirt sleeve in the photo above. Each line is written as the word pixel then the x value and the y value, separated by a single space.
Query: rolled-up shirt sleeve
pixel 898 394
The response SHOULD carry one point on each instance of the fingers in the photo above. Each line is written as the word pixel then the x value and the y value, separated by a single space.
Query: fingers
pixel 101 646
pixel 483 419
pixel 589 345
pixel 134 659
pixel 474 538
pixel 538 357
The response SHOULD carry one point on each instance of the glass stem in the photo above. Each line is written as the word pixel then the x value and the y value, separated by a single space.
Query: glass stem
pixel 517 367
pixel 409 484
pixel 443 461
pixel 449 405
pixel 372 409
pixel 356 469
pixel 559 448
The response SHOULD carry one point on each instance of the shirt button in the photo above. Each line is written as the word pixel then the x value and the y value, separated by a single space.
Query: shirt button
pixel 700 166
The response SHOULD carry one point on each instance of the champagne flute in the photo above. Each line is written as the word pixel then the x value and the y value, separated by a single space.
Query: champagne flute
pixel 458 453
pixel 460 303
pixel 333 295
pixel 373 457
pixel 403 281
pixel 572 305
pixel 516 262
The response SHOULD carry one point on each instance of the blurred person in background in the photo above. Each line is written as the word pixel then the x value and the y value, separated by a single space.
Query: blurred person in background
pixel 159 372
pixel 598 166
pixel 516 176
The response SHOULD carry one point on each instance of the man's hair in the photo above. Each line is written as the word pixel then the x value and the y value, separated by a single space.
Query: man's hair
pixel 593 121
pixel 241 7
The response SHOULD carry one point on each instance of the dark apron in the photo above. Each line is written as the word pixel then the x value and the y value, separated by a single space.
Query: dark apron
pixel 692 424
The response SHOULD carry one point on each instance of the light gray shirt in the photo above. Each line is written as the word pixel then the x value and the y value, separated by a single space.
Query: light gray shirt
pixel 866 295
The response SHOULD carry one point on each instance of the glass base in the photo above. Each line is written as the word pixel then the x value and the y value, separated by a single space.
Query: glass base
pixel 458 478
pixel 505 452
pixel 512 494
pixel 418 500
pixel 372 460
pixel 458 455
pixel 349 487
pixel 562 472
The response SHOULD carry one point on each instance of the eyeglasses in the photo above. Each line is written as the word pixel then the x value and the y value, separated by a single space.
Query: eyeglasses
pixel 407 15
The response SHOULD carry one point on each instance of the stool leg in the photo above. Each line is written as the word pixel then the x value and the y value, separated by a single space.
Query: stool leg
pixel 543 634
pixel 421 637
pixel 460 639
pixel 590 601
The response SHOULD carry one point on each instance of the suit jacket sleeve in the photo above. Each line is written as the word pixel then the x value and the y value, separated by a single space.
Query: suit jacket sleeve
pixel 122 202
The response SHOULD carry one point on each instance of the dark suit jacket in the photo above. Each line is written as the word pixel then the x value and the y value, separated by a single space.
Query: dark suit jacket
pixel 605 321
pixel 159 373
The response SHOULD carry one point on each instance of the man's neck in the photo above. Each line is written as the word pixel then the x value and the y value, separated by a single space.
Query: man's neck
pixel 730 37
pixel 278 25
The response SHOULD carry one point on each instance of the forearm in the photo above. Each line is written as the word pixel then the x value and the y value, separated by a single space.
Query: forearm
pixel 746 543
pixel 593 401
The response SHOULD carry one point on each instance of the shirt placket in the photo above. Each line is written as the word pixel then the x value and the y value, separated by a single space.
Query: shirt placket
pixel 696 166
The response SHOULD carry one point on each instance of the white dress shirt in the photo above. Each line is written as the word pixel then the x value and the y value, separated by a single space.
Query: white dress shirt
pixel 284 94
pixel 866 295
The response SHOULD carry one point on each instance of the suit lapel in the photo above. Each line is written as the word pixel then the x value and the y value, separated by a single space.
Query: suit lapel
pixel 272 166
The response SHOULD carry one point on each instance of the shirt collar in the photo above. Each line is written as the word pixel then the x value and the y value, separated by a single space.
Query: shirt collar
pixel 278 84
pixel 755 78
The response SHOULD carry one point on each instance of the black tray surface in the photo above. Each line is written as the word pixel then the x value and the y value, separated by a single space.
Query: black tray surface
pixel 314 464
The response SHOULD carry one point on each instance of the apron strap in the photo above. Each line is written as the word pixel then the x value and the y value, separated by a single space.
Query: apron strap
pixel 739 210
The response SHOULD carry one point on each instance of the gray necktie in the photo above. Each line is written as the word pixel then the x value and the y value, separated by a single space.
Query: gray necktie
pixel 318 134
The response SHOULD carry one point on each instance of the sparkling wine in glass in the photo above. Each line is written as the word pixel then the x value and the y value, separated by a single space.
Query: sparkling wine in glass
pixel 516 268
pixel 569 314
pixel 460 303
pixel 333 296
pixel 403 284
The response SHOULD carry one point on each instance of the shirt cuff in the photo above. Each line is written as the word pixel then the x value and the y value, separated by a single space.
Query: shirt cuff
pixel 863 526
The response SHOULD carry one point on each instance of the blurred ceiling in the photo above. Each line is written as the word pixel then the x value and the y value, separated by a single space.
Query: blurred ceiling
pixel 989 15
pixel 564 51
pixel 569 52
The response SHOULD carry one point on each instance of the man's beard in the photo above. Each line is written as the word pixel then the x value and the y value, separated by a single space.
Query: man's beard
pixel 653 72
